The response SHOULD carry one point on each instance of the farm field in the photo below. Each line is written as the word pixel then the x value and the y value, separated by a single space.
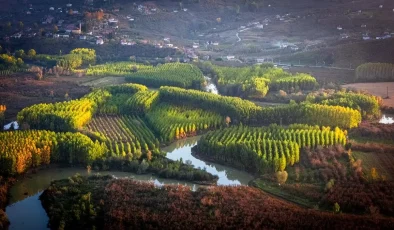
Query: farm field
pixel 383 162
pixel 378 89
pixel 125 135
pixel 22 90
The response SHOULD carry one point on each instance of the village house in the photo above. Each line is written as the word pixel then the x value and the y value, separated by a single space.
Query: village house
pixel 99 41
pixel 17 35
pixel 71 28
pixel 230 58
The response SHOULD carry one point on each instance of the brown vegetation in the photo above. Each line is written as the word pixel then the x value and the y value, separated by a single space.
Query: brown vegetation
pixel 369 198
pixel 128 204
pixel 373 130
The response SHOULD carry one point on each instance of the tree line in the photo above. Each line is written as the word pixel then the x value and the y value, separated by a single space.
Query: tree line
pixel 22 150
pixel 266 149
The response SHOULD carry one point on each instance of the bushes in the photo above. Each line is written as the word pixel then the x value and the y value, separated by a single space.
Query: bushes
pixel 362 197
pixel 21 150
pixel 373 72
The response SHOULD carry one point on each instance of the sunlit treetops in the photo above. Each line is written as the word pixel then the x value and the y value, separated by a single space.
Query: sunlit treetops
pixel 267 148
pixel 63 116
pixel 21 150
pixel 248 113
pixel 368 105
pixel 172 74
pixel 176 122
pixel 126 136
pixel 373 72
pixel 247 81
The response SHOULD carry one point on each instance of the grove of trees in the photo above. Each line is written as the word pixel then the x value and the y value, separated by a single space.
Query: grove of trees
pixel 374 72
pixel 22 150
pixel 268 148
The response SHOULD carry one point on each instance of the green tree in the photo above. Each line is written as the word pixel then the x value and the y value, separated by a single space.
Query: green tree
pixel 336 208
pixel 20 53
pixel 20 25
pixel 19 62
pixel 31 53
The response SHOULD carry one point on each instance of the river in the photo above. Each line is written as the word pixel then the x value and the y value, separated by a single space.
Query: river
pixel 387 119
pixel 25 210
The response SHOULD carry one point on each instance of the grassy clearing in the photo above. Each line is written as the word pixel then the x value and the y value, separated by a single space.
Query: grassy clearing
pixel 276 190
pixel 383 162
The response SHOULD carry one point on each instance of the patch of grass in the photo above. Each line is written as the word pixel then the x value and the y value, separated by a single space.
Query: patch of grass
pixel 276 190
pixel 383 162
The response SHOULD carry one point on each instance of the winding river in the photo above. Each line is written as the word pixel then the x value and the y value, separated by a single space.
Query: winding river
pixel 25 210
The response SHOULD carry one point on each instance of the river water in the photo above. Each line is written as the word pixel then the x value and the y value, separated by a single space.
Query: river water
pixel 25 210
pixel 387 119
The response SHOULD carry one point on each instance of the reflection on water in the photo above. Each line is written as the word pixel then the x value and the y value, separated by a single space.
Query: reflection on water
pixel 26 212
pixel 227 175
pixel 386 120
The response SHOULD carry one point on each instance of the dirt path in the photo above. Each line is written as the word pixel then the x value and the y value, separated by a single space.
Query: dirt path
pixel 378 89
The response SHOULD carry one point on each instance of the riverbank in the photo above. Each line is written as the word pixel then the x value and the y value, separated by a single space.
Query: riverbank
pixel 28 187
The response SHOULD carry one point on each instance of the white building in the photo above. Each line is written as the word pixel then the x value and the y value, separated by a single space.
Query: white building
pixel 100 41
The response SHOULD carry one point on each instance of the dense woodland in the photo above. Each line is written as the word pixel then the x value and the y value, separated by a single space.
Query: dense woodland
pixel 266 149
pixel 122 127
pixel 375 72
pixel 125 203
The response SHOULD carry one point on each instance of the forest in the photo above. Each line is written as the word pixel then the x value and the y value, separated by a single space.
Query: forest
pixel 302 153
pixel 111 206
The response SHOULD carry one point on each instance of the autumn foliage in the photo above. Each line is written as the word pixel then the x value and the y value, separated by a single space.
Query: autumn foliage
pixel 22 150
pixel 2 111
pixel 128 204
